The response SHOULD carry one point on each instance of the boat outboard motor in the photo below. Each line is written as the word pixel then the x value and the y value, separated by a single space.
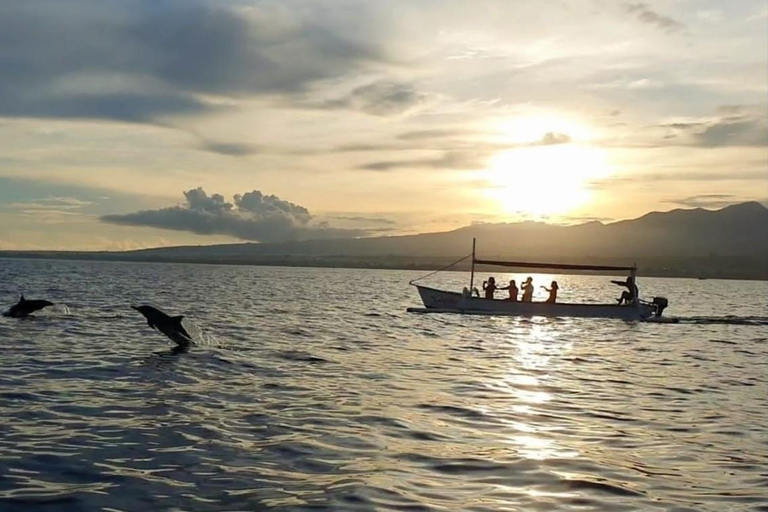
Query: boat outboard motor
pixel 661 303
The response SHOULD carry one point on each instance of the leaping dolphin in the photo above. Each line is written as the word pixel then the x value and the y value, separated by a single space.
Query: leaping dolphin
pixel 26 307
pixel 168 325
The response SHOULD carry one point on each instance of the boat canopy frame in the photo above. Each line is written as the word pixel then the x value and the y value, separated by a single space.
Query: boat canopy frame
pixel 557 266
pixel 525 264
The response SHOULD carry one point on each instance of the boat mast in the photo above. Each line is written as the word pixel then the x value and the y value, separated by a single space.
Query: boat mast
pixel 472 271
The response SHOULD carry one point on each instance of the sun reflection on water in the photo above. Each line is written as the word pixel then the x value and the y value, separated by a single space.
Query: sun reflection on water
pixel 531 384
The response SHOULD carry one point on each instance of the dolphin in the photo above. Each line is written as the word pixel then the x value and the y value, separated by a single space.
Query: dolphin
pixel 26 307
pixel 168 325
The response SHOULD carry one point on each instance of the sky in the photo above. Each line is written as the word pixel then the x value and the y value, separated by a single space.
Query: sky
pixel 128 124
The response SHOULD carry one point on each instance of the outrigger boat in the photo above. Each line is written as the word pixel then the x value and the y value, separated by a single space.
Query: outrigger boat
pixel 441 301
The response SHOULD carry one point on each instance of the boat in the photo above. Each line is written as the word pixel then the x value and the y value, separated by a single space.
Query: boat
pixel 442 301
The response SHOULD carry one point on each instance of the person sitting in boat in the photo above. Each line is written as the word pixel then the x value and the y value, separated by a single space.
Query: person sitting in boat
pixel 630 294
pixel 512 290
pixel 552 292
pixel 489 287
pixel 467 293
pixel 528 290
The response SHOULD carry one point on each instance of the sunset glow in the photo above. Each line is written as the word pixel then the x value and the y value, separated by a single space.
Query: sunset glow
pixel 545 180
pixel 367 118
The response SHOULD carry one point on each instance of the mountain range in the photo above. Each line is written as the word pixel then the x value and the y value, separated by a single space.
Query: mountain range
pixel 730 243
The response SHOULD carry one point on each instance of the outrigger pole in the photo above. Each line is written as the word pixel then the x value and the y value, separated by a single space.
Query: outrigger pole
pixel 472 271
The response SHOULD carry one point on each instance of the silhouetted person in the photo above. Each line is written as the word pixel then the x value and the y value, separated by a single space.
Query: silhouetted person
pixel 512 290
pixel 630 294
pixel 528 290
pixel 552 292
pixel 489 287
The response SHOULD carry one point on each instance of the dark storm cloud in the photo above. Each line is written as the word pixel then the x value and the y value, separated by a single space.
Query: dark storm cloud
pixel 251 216
pixel 381 98
pixel 645 14
pixel 140 60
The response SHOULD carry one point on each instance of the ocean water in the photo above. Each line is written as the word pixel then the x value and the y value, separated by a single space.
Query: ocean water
pixel 313 389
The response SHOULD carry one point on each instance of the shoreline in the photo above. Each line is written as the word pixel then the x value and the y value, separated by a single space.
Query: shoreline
pixel 356 263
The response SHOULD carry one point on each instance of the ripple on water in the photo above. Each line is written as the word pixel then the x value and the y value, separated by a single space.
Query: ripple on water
pixel 300 399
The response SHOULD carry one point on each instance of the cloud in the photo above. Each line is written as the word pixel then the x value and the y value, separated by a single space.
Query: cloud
pixel 251 216
pixel 366 220
pixel 706 201
pixel 551 138
pixel 48 203
pixel 646 15
pixel 733 126
pixel 625 82
pixel 747 132
pixel 229 148
pixel 437 134
pixel 198 199
pixel 473 155
pixel 460 160
pixel 582 219
pixel 258 204
pixel 381 98
pixel 49 210
pixel 696 176
pixel 437 139
pixel 143 60
pixel 358 148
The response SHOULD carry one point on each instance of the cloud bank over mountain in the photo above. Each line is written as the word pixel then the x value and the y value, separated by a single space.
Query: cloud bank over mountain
pixel 250 216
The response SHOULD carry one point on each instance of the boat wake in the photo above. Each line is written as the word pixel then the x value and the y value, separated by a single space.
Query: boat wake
pixel 724 320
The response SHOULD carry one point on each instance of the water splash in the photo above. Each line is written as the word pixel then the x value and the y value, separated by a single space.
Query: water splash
pixel 200 337
pixel 59 309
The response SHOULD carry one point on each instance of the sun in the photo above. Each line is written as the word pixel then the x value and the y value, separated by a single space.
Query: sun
pixel 538 180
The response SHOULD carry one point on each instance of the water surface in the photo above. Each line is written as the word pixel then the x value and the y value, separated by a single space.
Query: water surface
pixel 314 389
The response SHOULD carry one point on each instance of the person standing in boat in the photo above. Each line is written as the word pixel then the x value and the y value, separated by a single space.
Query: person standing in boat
pixel 528 290
pixel 552 292
pixel 630 294
pixel 489 287
pixel 512 290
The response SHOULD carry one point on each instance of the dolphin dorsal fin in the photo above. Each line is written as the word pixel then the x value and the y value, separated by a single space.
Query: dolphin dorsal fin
pixel 22 299
pixel 177 319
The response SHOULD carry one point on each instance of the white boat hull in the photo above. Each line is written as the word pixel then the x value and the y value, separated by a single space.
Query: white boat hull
pixel 452 302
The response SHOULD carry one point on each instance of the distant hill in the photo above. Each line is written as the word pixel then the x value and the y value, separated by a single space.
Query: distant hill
pixel 731 243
